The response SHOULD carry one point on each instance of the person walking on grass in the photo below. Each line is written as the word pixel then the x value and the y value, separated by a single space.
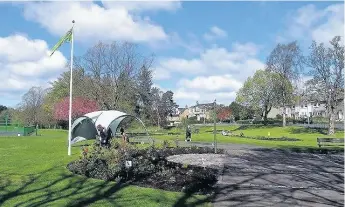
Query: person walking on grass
pixel 188 134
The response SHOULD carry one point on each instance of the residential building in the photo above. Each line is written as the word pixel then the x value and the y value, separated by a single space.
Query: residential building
pixel 184 113
pixel 312 108
pixel 273 113
pixel 175 118
pixel 201 111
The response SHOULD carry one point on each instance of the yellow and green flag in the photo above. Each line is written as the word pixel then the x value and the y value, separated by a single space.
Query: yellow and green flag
pixel 66 38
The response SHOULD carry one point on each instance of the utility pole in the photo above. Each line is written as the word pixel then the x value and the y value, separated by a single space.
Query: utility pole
pixel 215 128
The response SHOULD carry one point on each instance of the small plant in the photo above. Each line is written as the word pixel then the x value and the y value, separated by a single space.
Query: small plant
pixel 166 144
pixel 85 151
pixel 185 165
pixel 176 142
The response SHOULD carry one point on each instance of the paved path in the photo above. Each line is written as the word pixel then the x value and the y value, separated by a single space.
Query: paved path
pixel 227 146
pixel 268 177
pixel 257 176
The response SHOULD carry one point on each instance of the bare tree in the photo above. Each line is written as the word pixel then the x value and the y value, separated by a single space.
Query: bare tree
pixel 287 61
pixel 31 105
pixel 112 71
pixel 328 76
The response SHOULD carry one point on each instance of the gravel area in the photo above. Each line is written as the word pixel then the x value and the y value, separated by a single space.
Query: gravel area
pixel 203 160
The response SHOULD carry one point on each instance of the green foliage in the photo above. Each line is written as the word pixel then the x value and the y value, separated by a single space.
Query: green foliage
pixel 259 92
pixel 241 112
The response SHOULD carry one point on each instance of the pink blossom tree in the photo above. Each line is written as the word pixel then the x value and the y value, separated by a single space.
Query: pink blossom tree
pixel 80 106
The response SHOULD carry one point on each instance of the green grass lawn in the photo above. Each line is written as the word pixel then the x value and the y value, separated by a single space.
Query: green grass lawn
pixel 308 136
pixel 33 173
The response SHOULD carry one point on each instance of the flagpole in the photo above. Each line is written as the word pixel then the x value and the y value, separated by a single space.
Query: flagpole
pixel 70 94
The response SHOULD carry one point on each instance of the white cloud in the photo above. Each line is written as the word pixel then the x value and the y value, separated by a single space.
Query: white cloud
pixel 310 23
pixel 114 21
pixel 216 74
pixel 211 83
pixel 25 63
pixel 214 33
pixel 182 94
pixel 189 97
pixel 139 6
pixel 161 74
pixel 240 62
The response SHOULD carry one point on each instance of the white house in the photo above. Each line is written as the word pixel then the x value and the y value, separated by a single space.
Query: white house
pixel 313 108
pixel 201 111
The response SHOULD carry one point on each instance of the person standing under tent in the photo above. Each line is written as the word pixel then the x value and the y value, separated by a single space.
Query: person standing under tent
pixel 123 135
pixel 103 135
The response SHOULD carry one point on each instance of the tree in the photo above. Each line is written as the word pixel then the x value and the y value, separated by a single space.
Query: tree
pixel 2 108
pixel 115 75
pixel 156 106
pixel 240 112
pixel 60 89
pixel 259 93
pixel 328 76
pixel 168 104
pixel 287 61
pixel 224 113
pixel 163 106
pixel 80 106
pixel 112 74
pixel 144 89
pixel 31 105
pixel 235 109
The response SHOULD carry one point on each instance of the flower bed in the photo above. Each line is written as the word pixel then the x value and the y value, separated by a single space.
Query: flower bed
pixel 150 168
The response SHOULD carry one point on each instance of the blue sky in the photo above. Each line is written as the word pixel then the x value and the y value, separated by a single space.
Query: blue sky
pixel 203 50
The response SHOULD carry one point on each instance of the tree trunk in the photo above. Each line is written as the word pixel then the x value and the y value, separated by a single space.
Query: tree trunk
pixel 267 110
pixel 265 119
pixel 331 123
pixel 284 116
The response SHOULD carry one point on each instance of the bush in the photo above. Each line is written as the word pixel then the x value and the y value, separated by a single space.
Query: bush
pixel 150 167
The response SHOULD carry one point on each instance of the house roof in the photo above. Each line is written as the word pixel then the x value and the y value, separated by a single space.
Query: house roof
pixel 206 105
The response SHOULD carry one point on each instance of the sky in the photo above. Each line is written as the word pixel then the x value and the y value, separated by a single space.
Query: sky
pixel 203 50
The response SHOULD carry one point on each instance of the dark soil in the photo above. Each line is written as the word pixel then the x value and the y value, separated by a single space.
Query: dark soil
pixel 150 168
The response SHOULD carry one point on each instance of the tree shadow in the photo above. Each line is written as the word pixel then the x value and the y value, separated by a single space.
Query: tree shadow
pixel 57 185
pixel 269 177
pixel 251 126
pixel 38 190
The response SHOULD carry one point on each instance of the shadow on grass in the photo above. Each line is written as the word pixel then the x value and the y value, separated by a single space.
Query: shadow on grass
pixel 307 130
pixel 269 177
pixel 57 185
pixel 251 126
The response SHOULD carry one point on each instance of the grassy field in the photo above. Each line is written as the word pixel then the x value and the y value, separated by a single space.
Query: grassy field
pixel 33 170
pixel 307 136
pixel 33 173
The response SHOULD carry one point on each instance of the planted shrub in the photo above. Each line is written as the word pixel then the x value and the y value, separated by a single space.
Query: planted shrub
pixel 150 167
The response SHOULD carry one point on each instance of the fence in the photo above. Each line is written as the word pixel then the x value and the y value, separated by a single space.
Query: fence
pixel 13 129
